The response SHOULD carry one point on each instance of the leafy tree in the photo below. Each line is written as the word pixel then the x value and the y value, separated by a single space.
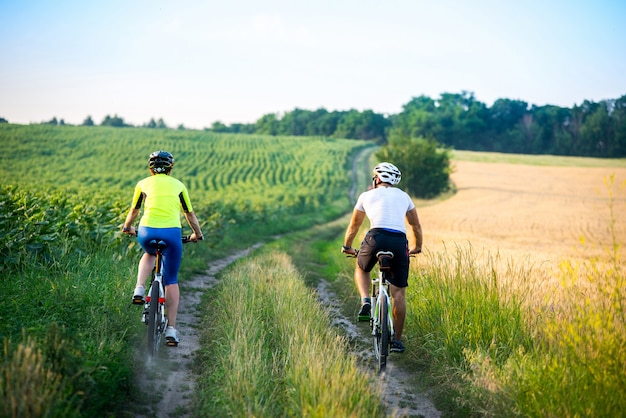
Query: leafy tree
pixel 294 122
pixel 362 125
pixel 244 128
pixel 425 166
pixel 151 124
pixel 325 123
pixel 617 148
pixel 218 126
pixel 267 125
pixel 114 121
pixel 596 132
pixel 88 121
pixel 3 120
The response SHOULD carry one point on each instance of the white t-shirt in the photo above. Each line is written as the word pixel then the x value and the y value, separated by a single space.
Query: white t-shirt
pixel 386 207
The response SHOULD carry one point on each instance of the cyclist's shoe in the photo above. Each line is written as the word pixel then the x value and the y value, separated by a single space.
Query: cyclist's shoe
pixel 139 295
pixel 364 313
pixel 397 346
pixel 171 337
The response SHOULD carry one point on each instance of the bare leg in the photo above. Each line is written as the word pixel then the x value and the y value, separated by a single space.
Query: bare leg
pixel 146 264
pixel 399 309
pixel 172 297
pixel 362 281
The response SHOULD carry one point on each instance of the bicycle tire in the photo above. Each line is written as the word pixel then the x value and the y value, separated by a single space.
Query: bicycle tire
pixel 153 320
pixel 383 339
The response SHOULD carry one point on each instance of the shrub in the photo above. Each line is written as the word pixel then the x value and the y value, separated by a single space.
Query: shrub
pixel 424 164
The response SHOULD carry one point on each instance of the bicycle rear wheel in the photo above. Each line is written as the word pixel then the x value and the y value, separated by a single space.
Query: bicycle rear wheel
pixel 153 320
pixel 382 336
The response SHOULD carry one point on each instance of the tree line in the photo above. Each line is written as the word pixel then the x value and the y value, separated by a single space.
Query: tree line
pixel 458 120
pixel 455 120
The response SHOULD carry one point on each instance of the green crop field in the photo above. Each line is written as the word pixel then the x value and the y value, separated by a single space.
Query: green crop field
pixel 258 178
pixel 66 268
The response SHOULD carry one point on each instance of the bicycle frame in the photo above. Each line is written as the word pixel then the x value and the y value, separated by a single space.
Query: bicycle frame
pixel 154 309
pixel 381 321
pixel 154 313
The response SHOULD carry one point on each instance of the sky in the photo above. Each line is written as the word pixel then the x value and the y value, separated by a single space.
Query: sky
pixel 198 62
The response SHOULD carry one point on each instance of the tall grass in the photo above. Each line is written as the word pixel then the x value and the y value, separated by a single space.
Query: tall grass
pixel 505 353
pixel 269 349
pixel 457 303
pixel 63 327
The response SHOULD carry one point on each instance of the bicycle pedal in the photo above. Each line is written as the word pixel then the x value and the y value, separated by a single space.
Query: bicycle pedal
pixel 171 343
pixel 138 301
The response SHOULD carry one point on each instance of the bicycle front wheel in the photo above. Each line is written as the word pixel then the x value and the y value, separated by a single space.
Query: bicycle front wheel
pixel 153 320
pixel 382 337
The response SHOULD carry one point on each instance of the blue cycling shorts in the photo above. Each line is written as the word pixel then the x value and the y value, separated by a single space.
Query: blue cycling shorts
pixel 172 255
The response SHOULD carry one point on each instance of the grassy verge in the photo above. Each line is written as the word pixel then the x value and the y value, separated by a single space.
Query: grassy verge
pixel 541 160
pixel 482 343
pixel 65 334
pixel 269 349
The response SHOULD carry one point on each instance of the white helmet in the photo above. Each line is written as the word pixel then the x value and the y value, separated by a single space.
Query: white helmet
pixel 388 173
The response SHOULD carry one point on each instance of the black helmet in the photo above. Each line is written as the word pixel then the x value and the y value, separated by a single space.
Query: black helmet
pixel 161 161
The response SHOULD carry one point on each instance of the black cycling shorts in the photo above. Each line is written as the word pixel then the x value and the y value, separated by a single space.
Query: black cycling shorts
pixel 383 240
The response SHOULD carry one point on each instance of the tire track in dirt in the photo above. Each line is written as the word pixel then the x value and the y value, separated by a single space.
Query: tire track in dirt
pixel 169 390
pixel 397 394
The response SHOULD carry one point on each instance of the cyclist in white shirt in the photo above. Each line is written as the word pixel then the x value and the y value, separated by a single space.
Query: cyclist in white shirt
pixel 386 207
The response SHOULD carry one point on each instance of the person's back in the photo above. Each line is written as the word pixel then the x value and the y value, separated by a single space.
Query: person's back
pixel 163 198
pixel 386 207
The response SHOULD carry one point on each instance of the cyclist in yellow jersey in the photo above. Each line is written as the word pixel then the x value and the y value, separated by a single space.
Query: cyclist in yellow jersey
pixel 163 199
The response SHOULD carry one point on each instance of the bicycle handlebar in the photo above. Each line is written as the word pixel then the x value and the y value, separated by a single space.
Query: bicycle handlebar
pixel 186 239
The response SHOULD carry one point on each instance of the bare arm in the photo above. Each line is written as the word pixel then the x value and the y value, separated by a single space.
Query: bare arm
pixel 128 227
pixel 355 224
pixel 415 240
pixel 195 225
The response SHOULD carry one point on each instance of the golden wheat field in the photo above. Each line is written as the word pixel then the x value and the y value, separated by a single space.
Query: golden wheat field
pixel 540 214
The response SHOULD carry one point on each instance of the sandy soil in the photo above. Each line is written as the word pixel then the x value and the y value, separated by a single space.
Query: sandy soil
pixel 169 391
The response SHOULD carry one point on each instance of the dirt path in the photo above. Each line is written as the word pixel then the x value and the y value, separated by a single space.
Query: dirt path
pixel 175 383
pixel 170 391
pixel 400 396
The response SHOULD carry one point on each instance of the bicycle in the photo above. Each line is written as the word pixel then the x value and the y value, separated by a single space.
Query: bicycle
pixel 154 313
pixel 381 321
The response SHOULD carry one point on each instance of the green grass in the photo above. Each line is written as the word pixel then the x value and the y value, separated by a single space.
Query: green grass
pixel 63 279
pixel 68 335
pixel 542 160
pixel 269 349
pixel 66 270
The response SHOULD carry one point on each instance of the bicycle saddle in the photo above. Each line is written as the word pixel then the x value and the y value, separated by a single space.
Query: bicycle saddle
pixel 160 244
pixel 384 259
